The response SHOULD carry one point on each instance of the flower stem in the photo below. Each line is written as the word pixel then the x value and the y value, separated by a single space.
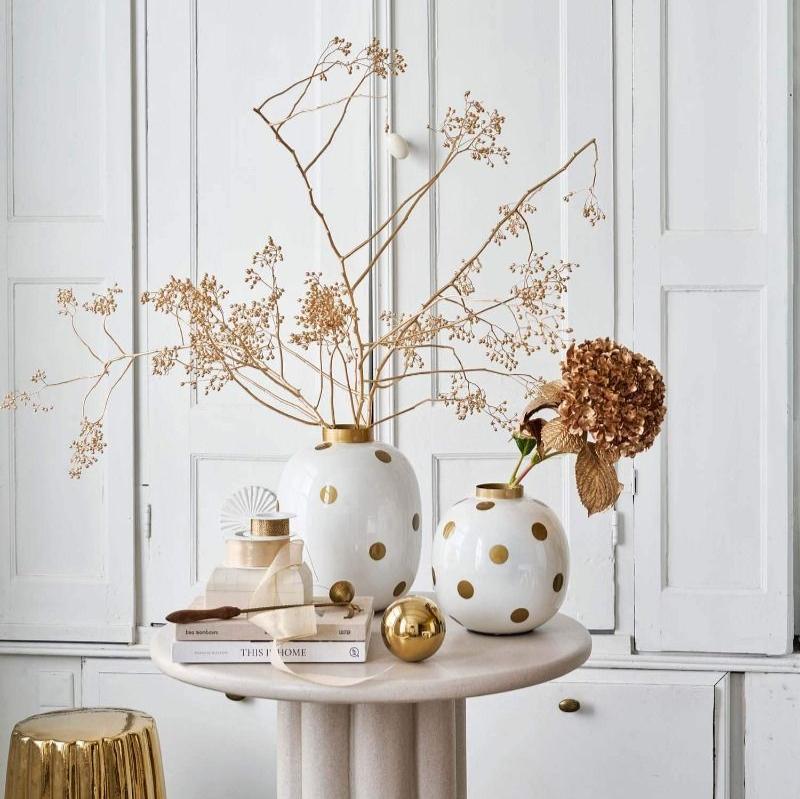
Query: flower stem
pixel 516 469
pixel 535 461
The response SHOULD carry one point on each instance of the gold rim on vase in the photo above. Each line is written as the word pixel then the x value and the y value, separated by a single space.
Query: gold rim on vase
pixel 346 434
pixel 498 491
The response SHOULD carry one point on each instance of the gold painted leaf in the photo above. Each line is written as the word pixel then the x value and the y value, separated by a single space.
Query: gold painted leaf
pixel 557 438
pixel 552 391
pixel 598 487
pixel 548 396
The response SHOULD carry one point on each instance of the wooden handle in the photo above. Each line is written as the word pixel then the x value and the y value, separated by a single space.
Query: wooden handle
pixel 203 614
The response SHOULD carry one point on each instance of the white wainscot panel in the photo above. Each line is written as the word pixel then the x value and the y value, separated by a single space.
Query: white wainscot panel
pixel 214 479
pixel 712 75
pixel 56 108
pixel 211 746
pixel 636 734
pixel 714 522
pixel 30 685
pixel 772 736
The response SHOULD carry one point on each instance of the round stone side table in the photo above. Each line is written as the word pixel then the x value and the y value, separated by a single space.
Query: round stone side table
pixel 401 734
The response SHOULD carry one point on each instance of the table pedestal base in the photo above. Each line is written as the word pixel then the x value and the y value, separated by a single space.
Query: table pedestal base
pixel 413 751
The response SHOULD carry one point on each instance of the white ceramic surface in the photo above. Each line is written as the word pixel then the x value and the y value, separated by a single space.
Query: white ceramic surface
pixel 500 565
pixel 358 509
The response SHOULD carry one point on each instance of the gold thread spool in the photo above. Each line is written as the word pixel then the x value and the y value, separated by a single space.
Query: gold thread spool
pixel 249 552
pixel 270 524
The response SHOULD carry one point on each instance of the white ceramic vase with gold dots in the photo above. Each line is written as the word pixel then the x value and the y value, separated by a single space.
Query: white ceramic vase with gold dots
pixel 500 561
pixel 358 508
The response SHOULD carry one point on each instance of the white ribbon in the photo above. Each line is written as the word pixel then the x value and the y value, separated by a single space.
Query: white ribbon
pixel 291 624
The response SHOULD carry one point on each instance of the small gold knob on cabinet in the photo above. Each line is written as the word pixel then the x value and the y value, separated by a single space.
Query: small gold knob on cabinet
pixel 235 697
pixel 569 705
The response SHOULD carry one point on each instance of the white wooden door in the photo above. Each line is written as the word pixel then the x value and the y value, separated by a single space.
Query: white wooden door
pixel 218 185
pixel 712 306
pixel 548 67
pixel 211 746
pixel 66 546
pixel 637 734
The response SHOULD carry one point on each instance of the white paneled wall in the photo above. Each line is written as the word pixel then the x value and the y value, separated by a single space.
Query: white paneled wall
pixel 66 560
pixel 218 185
pixel 554 83
pixel 691 107
pixel 712 306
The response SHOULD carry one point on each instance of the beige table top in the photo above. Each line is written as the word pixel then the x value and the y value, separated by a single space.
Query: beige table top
pixel 468 664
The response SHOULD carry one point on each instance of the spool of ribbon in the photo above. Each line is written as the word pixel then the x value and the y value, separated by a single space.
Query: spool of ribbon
pixel 252 551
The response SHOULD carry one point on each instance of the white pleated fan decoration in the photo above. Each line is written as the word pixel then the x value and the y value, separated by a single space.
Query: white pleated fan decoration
pixel 243 505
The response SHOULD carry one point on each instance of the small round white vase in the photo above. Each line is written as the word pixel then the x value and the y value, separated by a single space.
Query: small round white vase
pixel 358 509
pixel 500 561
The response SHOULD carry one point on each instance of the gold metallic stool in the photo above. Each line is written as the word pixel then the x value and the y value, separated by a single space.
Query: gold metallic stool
pixel 102 753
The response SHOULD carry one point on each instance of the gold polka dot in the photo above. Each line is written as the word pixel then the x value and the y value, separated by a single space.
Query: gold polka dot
pixel 498 554
pixel 377 550
pixel 433 574
pixel 399 588
pixel 465 588
pixel 328 494
pixel 383 456
pixel 415 522
pixel 519 615
pixel 449 529
pixel 558 582
pixel 323 445
pixel 539 531
pixel 342 591
pixel 485 505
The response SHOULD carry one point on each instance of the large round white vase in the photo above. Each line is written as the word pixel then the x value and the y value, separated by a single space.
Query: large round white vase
pixel 358 509
pixel 500 561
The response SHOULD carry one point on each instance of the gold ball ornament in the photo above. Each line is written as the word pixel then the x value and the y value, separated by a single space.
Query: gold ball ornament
pixel 342 591
pixel 413 628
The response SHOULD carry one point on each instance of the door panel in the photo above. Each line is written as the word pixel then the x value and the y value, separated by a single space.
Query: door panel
pixel 712 307
pixel 548 67
pixel 218 186
pixel 636 734
pixel 771 736
pixel 67 547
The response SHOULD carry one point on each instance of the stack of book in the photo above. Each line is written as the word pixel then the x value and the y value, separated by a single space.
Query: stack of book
pixel 338 639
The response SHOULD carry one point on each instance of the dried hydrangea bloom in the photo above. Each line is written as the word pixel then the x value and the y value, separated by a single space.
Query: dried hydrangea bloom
pixel 613 394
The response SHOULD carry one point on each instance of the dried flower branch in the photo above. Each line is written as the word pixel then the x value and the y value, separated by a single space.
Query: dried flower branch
pixel 220 342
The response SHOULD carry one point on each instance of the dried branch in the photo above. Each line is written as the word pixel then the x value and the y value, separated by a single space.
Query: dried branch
pixel 248 344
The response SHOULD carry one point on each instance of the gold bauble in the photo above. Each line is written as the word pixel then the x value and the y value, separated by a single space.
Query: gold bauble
pixel 413 628
pixel 342 591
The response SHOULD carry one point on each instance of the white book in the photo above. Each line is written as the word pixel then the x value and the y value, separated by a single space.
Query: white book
pixel 260 651
pixel 332 625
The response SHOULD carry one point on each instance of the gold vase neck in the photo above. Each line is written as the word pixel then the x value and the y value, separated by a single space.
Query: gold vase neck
pixel 499 491
pixel 346 434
